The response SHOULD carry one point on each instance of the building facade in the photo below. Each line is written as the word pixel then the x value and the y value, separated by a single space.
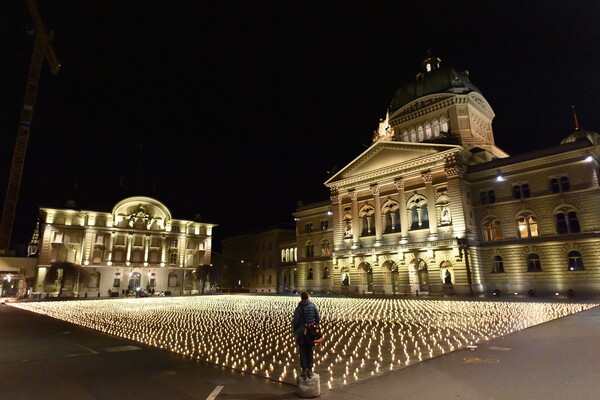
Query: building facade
pixel 435 206
pixel 136 245
pixel 255 262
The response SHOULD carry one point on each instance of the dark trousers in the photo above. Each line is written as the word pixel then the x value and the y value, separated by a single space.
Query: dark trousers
pixel 305 348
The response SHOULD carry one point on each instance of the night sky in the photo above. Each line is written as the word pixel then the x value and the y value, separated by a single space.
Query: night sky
pixel 242 108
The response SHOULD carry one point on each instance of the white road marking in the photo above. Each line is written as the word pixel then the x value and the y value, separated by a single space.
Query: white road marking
pixel 214 393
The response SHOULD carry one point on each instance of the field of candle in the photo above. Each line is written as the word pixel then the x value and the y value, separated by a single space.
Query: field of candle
pixel 363 337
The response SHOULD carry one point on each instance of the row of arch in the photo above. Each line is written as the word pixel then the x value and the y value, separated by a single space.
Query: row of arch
pixel 417 211
pixel 427 131
pixel 566 220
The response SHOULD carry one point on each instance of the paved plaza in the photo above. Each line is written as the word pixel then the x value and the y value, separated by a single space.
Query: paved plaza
pixel 365 337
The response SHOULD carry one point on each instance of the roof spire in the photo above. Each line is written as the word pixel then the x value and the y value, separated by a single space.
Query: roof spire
pixel 431 63
pixel 575 118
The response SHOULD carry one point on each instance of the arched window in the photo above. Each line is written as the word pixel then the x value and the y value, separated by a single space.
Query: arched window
pixel 310 249
pixel 533 263
pixel 391 216
pixel 413 135
pixel 326 273
pixel 310 274
pixel 436 128
pixel 528 226
pixel 405 136
pixel 428 131
pixel 283 257
pixel 492 229
pixel 567 222
pixel 419 215
pixel 497 265
pixel 420 133
pixel 444 124
pixel 491 197
pixel 367 220
pixel 575 261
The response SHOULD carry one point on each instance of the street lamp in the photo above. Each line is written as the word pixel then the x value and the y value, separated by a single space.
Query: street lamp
pixel 463 248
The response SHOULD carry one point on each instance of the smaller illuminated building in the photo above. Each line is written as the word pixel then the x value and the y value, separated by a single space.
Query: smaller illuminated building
pixel 136 245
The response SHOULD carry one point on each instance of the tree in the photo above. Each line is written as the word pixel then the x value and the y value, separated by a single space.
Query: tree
pixel 76 271
pixel 202 273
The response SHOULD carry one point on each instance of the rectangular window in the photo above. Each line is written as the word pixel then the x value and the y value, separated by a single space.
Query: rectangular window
pixel 117 282
pixel 173 258
pixel 152 282
pixel 100 239
pixel 174 243
pixel 309 228
pixel 324 225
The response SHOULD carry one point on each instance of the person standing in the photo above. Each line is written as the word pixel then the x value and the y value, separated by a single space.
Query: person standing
pixel 306 313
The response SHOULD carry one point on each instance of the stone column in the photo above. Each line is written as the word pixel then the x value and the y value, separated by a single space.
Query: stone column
pixel 378 226
pixel 337 220
pixel 163 256
pixel 146 249
pixel 403 215
pixel 355 226
pixel 111 241
pixel 454 172
pixel 433 228
pixel 129 240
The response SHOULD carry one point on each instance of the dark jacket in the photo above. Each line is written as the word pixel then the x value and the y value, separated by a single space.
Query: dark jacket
pixel 311 316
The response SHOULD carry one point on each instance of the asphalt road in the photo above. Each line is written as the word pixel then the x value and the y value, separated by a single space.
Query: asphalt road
pixel 42 358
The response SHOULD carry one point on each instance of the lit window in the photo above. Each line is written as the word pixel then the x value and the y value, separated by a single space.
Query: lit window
pixel 174 243
pixel 527 226
pixel 492 229
pixel 367 220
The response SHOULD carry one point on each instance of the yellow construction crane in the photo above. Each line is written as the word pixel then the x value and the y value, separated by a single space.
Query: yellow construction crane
pixel 41 49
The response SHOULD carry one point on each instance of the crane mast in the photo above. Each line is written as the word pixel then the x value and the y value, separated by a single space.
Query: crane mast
pixel 41 49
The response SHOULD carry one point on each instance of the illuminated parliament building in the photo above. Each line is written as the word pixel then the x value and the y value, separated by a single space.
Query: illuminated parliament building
pixel 434 206
pixel 136 245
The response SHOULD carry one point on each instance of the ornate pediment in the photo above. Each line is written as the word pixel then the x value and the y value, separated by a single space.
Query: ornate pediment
pixel 383 158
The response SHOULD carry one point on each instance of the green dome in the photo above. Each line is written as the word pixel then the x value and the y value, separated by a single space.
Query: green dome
pixel 439 80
